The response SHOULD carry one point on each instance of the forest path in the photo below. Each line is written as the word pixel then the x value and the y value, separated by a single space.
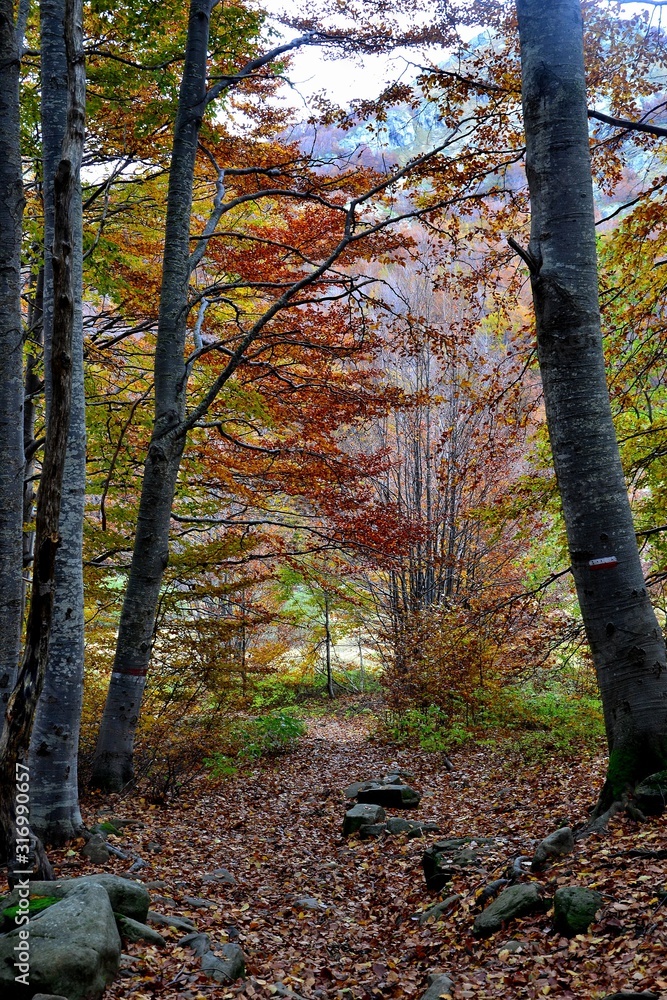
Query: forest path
pixel 278 830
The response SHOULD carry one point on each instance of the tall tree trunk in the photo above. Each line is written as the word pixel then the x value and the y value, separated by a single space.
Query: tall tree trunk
pixel 11 359
pixel 113 766
pixel 55 815
pixel 625 638
pixel 23 701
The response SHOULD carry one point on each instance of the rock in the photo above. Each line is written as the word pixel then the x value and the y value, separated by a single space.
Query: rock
pixel 650 795
pixel 198 942
pixel 361 815
pixel 372 830
pixel 308 903
pixel 198 903
pixel 396 824
pixel 180 923
pixel 126 897
pixel 48 996
pixel 511 947
pixel 398 772
pixel 74 948
pixel 515 901
pixel 421 829
pixel 159 883
pixel 574 909
pixel 132 930
pixel 390 796
pixel 556 845
pixel 440 985
pixel 445 858
pixel 225 967
pixel 352 790
pixel 154 847
pixel 96 850
pixel 220 875
pixel 439 910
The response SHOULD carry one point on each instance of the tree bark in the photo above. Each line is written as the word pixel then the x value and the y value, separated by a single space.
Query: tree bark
pixel 11 359
pixel 23 701
pixel 625 638
pixel 113 765
pixel 55 815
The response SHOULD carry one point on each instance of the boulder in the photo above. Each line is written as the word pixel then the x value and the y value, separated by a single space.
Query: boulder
pixel 439 910
pixel 446 858
pixel 399 825
pixel 372 830
pixel 390 796
pixel 132 930
pixel 650 795
pixel 515 901
pixel 574 909
pixel 224 963
pixel 361 815
pixel 440 985
pixel 352 790
pixel 96 849
pixel 180 923
pixel 556 845
pixel 74 948
pixel 126 897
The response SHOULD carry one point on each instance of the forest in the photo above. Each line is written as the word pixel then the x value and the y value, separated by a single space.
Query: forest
pixel 333 519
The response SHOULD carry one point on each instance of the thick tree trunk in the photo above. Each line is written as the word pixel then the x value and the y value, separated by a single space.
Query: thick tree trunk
pixel 23 701
pixel 11 359
pixel 55 815
pixel 113 765
pixel 625 638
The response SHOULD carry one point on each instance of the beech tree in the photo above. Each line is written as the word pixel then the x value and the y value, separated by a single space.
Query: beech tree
pixel 625 638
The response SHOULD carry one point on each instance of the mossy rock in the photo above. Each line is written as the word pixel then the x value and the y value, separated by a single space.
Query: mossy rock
pixel 575 908
pixel 651 794
pixel 35 905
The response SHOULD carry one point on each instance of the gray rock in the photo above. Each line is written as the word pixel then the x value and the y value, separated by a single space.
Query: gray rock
pixel 159 883
pixel 352 790
pixel 198 942
pixel 445 859
pixel 396 824
pixel 96 850
pixel 154 847
pixel 556 845
pixel 361 815
pixel 180 923
pixel 198 903
pixel 439 910
pixel 515 901
pixel 126 897
pixel 399 772
pixel 74 948
pixel 390 796
pixel 440 985
pixel 421 829
pixel 372 830
pixel 220 875
pixel 48 996
pixel 132 930
pixel 575 908
pixel 225 969
pixel 511 946
pixel 650 795
pixel 308 903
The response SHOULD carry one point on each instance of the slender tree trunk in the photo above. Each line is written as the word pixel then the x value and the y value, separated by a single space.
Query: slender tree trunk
pixel 327 647
pixel 11 359
pixel 625 638
pixel 113 766
pixel 55 815
pixel 23 700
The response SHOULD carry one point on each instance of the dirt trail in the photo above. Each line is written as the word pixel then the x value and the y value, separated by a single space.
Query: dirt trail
pixel 278 830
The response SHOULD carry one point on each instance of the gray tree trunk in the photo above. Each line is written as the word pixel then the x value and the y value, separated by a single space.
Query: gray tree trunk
pixel 625 638
pixel 11 359
pixel 55 815
pixel 113 765
pixel 23 701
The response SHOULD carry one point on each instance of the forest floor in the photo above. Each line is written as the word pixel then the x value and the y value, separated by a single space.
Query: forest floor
pixel 277 828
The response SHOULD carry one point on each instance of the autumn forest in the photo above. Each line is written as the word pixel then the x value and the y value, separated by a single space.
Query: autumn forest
pixel 333 486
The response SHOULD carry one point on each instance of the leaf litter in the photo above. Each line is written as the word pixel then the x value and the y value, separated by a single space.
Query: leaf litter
pixel 277 829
